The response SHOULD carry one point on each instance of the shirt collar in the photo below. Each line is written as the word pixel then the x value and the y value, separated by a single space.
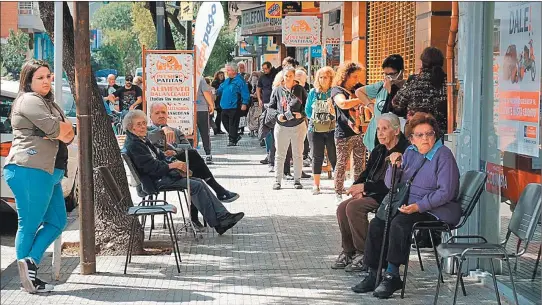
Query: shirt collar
pixel 429 156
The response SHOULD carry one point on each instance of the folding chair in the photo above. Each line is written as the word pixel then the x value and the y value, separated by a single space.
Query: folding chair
pixel 523 224
pixel 471 185
pixel 141 210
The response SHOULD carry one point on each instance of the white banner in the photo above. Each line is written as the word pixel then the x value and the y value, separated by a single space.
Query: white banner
pixel 170 79
pixel 208 24
pixel 301 31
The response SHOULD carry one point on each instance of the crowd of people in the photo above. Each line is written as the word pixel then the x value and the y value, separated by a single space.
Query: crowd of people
pixel 335 120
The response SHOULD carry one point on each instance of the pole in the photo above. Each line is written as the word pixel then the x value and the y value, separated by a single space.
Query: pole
pixel 189 36
pixel 87 249
pixel 309 66
pixel 160 25
pixel 58 41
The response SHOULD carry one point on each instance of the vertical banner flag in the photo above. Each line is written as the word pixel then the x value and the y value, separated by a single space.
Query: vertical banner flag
pixel 208 24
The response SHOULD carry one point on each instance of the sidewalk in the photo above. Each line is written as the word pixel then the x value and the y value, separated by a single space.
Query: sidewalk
pixel 279 253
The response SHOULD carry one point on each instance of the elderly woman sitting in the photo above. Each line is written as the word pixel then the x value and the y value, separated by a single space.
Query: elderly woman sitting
pixel 367 193
pixel 430 198
pixel 156 173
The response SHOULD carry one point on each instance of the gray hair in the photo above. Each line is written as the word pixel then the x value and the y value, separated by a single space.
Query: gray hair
pixel 111 75
pixel 279 77
pixel 127 122
pixel 393 119
pixel 233 66
pixel 155 104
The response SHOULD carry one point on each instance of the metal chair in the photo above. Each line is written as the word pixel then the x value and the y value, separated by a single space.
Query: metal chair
pixel 141 210
pixel 471 185
pixel 523 224
pixel 141 193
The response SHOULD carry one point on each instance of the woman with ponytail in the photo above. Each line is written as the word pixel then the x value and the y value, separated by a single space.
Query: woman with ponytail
pixel 425 91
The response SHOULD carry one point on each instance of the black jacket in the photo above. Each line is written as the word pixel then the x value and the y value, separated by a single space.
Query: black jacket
pixel 375 171
pixel 150 163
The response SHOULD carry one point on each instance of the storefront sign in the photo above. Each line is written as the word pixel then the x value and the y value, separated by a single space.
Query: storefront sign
pixel 253 21
pixel 169 78
pixel 301 31
pixel 518 89
pixel 273 9
pixel 187 11
pixel 316 51
pixel 291 7
pixel 507 182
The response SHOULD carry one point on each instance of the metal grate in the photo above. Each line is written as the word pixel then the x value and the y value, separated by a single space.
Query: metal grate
pixel 390 30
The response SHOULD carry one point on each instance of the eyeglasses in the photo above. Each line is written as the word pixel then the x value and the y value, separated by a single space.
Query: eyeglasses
pixel 419 135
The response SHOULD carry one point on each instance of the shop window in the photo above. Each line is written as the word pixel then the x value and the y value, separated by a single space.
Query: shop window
pixel 390 30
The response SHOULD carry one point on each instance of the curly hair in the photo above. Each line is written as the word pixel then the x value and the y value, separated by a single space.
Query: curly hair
pixel 217 73
pixel 323 70
pixel 344 71
pixel 420 118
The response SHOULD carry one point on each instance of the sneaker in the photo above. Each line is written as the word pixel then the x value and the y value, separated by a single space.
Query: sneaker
pixel 27 273
pixel 209 159
pixel 315 190
pixel 264 161
pixel 276 186
pixel 288 176
pixel 338 198
pixel 220 132
pixel 390 284
pixel 356 265
pixel 367 284
pixel 40 286
pixel 298 185
pixel 232 144
pixel 271 168
pixel 305 175
pixel 342 261
pixel 228 222
pixel 228 197
pixel 307 162
pixel 262 143
pixel 238 139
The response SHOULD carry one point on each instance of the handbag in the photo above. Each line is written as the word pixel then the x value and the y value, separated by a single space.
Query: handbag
pixel 397 197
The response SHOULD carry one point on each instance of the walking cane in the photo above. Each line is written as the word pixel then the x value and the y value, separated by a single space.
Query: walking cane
pixel 387 222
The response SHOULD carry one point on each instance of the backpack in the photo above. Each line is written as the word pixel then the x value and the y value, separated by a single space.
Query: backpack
pixel 323 116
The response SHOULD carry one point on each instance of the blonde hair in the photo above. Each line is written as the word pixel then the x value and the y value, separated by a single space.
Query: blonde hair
pixel 301 76
pixel 324 70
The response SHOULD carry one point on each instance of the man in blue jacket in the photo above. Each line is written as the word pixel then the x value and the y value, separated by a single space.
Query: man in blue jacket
pixel 234 97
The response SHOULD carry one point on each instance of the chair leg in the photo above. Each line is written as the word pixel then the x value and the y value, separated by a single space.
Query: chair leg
pixel 181 206
pixel 507 259
pixel 169 226
pixel 438 282
pixel 175 236
pixel 436 255
pixel 457 281
pixel 495 281
pixel 164 224
pixel 456 261
pixel 417 249
pixel 130 239
pixel 537 262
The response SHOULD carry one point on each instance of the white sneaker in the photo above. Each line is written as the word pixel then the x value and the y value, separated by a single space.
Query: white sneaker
pixel 338 198
pixel 315 190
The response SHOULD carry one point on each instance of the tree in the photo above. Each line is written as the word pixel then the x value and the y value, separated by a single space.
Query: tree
pixel 106 57
pixel 112 223
pixel 143 26
pixel 13 53
pixel 221 54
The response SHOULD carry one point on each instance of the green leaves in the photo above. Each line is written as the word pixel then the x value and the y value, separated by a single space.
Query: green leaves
pixel 13 53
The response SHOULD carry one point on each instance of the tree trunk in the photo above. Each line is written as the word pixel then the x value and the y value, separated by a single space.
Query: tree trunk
pixel 112 223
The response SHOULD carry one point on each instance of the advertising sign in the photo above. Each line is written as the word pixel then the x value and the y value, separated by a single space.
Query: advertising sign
pixel 507 182
pixel 316 51
pixel 291 7
pixel 518 89
pixel 187 11
pixel 254 21
pixel 301 31
pixel 208 25
pixel 169 78
pixel 273 9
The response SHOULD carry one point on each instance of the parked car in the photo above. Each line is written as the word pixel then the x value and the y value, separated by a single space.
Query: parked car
pixel 8 93
pixel 139 72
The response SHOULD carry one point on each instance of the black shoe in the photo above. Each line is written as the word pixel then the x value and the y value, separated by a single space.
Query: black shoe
pixel 28 272
pixel 367 284
pixel 298 185
pixel 197 224
pixel 220 132
pixel 262 143
pixel 40 286
pixel 264 161
pixel 238 139
pixel 232 144
pixel 390 284
pixel 228 221
pixel 228 197
pixel 305 175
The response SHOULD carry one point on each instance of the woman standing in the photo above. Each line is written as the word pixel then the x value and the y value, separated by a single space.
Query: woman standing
pixel 204 106
pixel 288 99
pixel 218 79
pixel 34 168
pixel 348 138
pixel 321 124
pixel 255 109
pixel 425 92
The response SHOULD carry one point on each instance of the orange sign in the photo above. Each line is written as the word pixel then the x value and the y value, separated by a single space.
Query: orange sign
pixel 300 26
pixel 310 7
pixel 168 63
pixel 273 9
pixel 508 182
pixel 301 31
pixel 519 106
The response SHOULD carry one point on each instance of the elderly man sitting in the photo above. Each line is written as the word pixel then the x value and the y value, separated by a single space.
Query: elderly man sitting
pixel 367 193
pixel 156 173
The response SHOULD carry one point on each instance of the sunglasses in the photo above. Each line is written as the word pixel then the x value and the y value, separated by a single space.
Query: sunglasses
pixel 420 135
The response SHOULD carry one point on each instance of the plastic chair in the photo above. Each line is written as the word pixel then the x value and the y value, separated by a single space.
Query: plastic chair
pixel 522 224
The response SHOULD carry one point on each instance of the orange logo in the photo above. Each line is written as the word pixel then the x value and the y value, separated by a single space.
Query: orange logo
pixel 168 63
pixel 301 26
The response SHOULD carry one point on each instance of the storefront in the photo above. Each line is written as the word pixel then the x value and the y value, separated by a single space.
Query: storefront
pixel 500 127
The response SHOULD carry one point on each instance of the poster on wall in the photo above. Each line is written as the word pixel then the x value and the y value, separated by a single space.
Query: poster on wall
pixel 169 78
pixel 301 31
pixel 518 64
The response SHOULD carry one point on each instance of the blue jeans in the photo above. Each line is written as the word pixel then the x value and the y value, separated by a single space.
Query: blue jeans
pixel 269 141
pixel 40 206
